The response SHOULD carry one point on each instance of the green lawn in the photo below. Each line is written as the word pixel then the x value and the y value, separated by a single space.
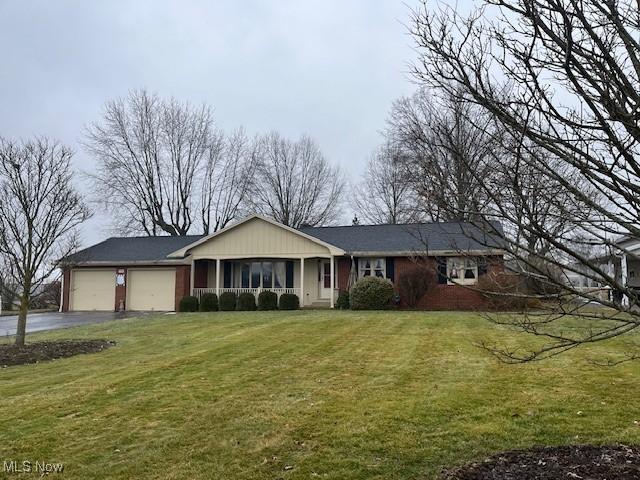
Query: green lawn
pixel 303 395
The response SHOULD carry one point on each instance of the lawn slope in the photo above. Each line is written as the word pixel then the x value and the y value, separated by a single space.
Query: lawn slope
pixel 299 395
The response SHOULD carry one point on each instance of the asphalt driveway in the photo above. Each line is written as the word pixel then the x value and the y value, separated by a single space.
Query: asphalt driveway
pixel 37 322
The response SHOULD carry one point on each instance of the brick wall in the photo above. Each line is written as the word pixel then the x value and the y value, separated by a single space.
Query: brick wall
pixel 344 267
pixel 201 274
pixel 448 297
pixel 183 281
pixel 121 290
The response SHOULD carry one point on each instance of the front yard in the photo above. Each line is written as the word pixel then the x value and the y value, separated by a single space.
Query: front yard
pixel 305 394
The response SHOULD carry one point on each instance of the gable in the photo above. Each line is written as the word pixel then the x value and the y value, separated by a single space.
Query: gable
pixel 258 237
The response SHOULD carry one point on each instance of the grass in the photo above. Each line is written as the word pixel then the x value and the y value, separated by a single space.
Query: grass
pixel 306 394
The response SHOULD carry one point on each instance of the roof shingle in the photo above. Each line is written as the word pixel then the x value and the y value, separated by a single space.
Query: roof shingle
pixel 418 238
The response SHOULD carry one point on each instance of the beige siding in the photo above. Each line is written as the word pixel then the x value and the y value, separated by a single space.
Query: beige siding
pixel 93 290
pixel 256 238
pixel 151 289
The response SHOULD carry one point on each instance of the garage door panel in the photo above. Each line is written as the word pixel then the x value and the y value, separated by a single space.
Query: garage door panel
pixel 93 290
pixel 151 289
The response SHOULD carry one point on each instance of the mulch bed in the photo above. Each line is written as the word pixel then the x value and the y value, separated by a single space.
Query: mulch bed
pixel 572 462
pixel 36 352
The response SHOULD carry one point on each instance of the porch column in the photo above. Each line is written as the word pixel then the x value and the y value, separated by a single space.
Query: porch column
pixel 218 277
pixel 192 275
pixel 302 281
pixel 331 270
pixel 625 276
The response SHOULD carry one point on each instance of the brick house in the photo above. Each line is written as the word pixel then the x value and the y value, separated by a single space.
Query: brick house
pixel 257 253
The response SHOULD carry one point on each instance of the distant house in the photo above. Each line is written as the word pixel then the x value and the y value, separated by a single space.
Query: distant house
pixel 623 264
pixel 257 253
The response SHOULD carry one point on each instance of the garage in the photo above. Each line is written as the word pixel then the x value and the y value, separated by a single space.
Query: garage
pixel 151 289
pixel 93 290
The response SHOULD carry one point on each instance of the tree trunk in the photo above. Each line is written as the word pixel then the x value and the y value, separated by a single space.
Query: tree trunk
pixel 21 331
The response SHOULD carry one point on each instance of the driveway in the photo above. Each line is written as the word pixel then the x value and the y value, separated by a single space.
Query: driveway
pixel 37 322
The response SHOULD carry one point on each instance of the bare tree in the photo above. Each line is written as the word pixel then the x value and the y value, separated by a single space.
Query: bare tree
pixel 447 145
pixel 385 195
pixel 163 170
pixel 295 184
pixel 39 212
pixel 227 179
pixel 563 78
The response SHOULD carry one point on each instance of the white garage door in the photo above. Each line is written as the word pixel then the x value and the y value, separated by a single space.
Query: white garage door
pixel 151 289
pixel 93 290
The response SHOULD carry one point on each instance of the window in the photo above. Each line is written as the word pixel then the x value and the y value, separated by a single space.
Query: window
pixel 244 282
pixel 279 274
pixel 262 275
pixel 267 275
pixel 462 271
pixel 372 266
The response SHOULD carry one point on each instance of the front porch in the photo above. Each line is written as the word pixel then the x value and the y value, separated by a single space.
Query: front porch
pixel 313 279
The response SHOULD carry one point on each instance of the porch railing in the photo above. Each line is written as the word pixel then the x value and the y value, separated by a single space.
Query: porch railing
pixel 198 292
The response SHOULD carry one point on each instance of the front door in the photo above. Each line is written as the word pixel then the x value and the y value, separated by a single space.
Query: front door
pixel 325 279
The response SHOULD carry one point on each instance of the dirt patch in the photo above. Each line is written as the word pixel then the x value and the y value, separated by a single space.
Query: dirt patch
pixel 36 352
pixel 572 462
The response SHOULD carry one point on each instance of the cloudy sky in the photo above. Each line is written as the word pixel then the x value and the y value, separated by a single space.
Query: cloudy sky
pixel 328 68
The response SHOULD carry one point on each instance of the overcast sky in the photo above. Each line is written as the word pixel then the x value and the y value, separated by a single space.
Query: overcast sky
pixel 328 68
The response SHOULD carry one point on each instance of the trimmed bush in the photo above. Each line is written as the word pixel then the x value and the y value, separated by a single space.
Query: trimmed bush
pixel 209 302
pixel 289 301
pixel 227 301
pixel 371 293
pixel 189 304
pixel 267 301
pixel 246 301
pixel 342 302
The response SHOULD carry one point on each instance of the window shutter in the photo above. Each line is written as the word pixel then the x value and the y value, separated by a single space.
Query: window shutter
pixel 390 268
pixel 289 274
pixel 442 270
pixel 227 274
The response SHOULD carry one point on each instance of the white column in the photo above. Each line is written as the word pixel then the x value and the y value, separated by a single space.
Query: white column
pixel 625 279
pixel 331 269
pixel 218 277
pixel 61 294
pixel 302 281
pixel 193 275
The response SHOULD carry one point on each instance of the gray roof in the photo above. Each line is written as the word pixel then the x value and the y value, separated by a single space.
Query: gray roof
pixel 409 238
pixel 132 249
pixel 417 237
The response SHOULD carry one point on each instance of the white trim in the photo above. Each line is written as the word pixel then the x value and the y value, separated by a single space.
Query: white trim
pixel 183 251
pixel 61 292
pixel 261 256
pixel 192 276
pixel 302 295
pixel 123 263
pixel 428 253
pixel 332 284
pixel 218 277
